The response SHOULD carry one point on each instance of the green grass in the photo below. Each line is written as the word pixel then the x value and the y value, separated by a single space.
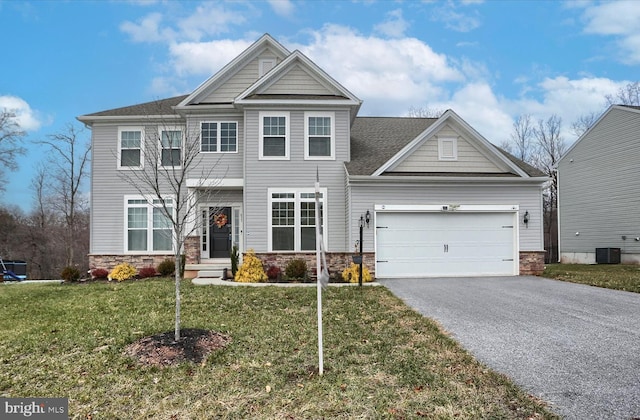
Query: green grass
pixel 611 276
pixel 382 360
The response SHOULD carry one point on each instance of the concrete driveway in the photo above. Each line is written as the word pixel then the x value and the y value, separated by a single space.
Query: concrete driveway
pixel 576 347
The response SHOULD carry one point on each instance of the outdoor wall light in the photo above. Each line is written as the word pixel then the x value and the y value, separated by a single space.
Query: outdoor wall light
pixel 367 217
pixel 525 219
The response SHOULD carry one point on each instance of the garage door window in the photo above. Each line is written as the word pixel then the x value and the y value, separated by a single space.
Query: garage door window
pixel 293 220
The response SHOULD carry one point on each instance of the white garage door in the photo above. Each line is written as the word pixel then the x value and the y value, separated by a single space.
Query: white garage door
pixel 428 244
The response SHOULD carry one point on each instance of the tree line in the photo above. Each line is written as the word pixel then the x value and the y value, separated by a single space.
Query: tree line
pixel 54 232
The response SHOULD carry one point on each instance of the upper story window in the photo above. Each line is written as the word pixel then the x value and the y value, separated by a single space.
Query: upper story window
pixel 319 135
pixel 148 229
pixel 447 148
pixel 130 146
pixel 219 137
pixel 274 135
pixel 171 147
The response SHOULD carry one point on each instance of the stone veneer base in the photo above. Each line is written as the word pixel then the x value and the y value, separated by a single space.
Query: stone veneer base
pixel 531 262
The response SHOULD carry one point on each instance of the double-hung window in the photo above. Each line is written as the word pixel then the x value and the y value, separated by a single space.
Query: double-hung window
pixel 292 221
pixel 319 135
pixel 130 147
pixel 148 228
pixel 219 137
pixel 274 135
pixel 171 147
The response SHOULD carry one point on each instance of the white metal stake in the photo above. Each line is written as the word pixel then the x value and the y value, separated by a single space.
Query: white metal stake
pixel 318 273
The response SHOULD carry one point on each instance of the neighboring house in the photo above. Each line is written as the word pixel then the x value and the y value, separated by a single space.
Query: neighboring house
pixel 599 191
pixel 438 198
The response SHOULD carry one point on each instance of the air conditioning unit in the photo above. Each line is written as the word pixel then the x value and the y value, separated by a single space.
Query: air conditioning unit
pixel 607 255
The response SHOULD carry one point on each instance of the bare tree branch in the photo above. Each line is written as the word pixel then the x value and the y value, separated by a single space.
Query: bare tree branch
pixel 10 142
pixel 163 178
pixel 629 94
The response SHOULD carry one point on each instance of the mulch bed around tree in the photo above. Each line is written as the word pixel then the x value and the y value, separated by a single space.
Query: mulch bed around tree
pixel 162 350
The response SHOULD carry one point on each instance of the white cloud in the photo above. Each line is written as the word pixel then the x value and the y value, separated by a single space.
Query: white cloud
pixel 394 26
pixel 282 7
pixel 204 58
pixel 26 117
pixel 391 74
pixel 455 19
pixel 148 29
pixel 208 20
pixel 620 19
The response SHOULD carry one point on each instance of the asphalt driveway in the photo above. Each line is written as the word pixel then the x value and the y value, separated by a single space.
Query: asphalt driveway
pixel 576 347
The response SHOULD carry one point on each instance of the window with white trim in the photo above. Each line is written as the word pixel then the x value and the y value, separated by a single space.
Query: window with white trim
pixel 292 221
pixel 130 147
pixel 447 148
pixel 319 135
pixel 148 228
pixel 274 135
pixel 219 137
pixel 171 147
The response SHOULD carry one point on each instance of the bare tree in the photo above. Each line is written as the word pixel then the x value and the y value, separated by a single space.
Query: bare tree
pixel 521 138
pixel 425 112
pixel 550 147
pixel 10 142
pixel 629 94
pixel 69 159
pixel 584 122
pixel 171 154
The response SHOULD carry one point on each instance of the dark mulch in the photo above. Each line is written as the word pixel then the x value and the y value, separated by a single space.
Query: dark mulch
pixel 162 350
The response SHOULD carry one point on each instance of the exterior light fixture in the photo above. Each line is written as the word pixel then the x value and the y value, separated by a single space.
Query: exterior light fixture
pixel 367 217
pixel 525 219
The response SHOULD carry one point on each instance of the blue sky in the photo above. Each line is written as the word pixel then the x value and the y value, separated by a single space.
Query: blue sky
pixel 489 61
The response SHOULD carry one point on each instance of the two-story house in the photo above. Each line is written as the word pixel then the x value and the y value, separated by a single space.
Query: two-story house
pixel 435 198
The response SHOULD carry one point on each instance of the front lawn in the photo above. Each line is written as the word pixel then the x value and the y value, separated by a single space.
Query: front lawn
pixel 611 276
pixel 382 360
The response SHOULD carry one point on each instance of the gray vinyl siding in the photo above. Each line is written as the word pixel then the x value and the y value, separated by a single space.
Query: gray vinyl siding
pixel 300 82
pixel 599 187
pixel 108 191
pixel 109 187
pixel 260 175
pixel 527 196
pixel 425 159
pixel 240 80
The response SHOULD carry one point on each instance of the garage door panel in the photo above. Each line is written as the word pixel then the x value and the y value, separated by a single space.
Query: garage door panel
pixel 445 244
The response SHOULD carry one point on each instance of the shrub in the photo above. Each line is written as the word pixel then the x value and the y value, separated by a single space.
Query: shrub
pixel 167 267
pixel 123 272
pixel 70 274
pixel 296 269
pixel 351 274
pixel 99 273
pixel 273 272
pixel 235 259
pixel 147 272
pixel 251 270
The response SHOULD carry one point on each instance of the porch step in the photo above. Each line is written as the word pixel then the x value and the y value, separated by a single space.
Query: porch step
pixel 209 268
pixel 210 273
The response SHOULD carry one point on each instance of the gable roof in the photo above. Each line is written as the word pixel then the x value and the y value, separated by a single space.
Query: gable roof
pixel 625 108
pixel 254 50
pixel 379 143
pixel 258 91
pixel 375 140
